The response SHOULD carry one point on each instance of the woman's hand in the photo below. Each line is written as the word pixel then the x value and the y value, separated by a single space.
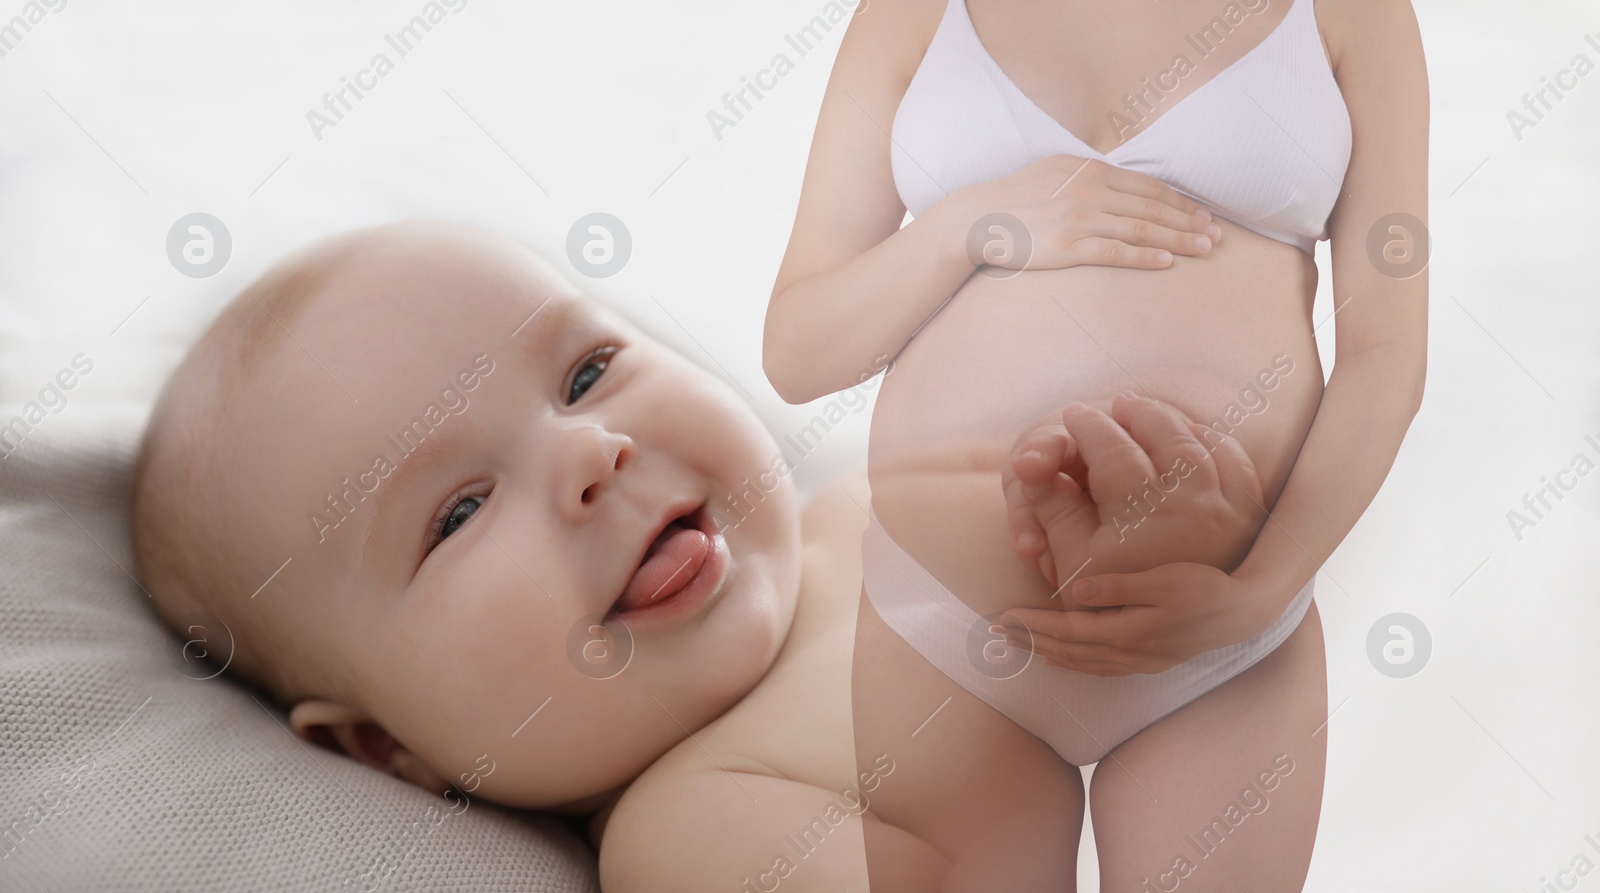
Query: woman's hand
pixel 1062 211
pixel 1148 622
pixel 1143 486
pixel 1167 503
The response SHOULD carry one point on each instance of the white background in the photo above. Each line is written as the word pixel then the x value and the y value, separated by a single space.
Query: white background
pixel 1477 774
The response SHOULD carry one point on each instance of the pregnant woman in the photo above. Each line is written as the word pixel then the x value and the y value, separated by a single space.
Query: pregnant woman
pixel 1150 181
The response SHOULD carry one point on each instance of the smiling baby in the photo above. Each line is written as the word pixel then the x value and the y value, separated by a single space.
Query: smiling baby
pixel 454 511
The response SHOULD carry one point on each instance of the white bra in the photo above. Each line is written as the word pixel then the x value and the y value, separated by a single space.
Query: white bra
pixel 1264 143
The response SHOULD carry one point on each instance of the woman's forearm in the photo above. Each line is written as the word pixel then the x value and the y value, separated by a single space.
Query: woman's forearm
pixel 1366 409
pixel 824 331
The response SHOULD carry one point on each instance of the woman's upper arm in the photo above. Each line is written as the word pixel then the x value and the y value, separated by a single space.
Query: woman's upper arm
pixel 1378 62
pixel 848 201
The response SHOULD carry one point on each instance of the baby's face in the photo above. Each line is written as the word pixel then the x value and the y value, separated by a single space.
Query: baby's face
pixel 510 455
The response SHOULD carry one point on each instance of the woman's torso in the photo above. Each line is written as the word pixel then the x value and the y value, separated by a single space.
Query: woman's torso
pixel 1009 348
pixel 847 693
pixel 1201 335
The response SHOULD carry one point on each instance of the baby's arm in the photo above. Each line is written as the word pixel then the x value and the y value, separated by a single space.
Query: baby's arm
pixel 1091 493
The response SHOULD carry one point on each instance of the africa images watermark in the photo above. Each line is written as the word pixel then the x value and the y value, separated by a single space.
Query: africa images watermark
pixel 354 88
pixel 1537 503
pixel 12 32
pixel 399 845
pixel 600 646
pixel 1140 104
pixel 1252 800
pixel 1546 97
pixel 1582 866
pixel 54 800
pixel 755 87
pixel 208 646
pixel 804 842
pixel 452 402
pixel 1252 400
pixel 52 399
pixel 735 508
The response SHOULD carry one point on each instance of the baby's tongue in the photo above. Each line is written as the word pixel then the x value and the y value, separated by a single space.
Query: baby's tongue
pixel 670 567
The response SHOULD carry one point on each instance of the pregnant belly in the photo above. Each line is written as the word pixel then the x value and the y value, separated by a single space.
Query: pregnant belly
pixel 1225 338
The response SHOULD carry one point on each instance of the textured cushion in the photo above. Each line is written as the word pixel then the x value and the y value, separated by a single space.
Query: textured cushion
pixel 121 767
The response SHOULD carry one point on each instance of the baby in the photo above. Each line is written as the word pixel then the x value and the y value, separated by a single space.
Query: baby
pixel 458 515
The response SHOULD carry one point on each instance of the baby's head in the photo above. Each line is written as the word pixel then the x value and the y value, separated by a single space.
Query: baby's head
pixel 411 469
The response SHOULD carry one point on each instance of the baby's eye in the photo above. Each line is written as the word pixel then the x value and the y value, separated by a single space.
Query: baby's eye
pixel 455 518
pixel 459 515
pixel 589 372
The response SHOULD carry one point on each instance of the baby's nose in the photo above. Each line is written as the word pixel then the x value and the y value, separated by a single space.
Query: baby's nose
pixel 594 457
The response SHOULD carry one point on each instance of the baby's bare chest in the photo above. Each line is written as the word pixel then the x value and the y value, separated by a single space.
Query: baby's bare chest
pixel 853 712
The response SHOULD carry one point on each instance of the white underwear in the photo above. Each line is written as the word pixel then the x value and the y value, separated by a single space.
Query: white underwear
pixel 1082 716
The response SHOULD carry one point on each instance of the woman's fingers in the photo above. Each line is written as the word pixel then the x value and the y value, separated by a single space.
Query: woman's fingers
pixel 1146 233
pixel 1158 212
pixel 1165 434
pixel 1143 186
pixel 1236 474
pixel 1117 465
pixel 1147 212
pixel 1027 515
pixel 1040 642
pixel 1041 492
pixel 1041 452
pixel 1107 252
pixel 1038 519
pixel 1027 534
pixel 1066 647
pixel 1087 212
pixel 1168 437
pixel 1047 567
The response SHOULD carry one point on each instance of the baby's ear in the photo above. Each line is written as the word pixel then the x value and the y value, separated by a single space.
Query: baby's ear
pixel 351 731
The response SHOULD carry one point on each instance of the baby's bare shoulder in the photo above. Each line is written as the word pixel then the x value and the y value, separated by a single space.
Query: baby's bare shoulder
pixel 723 826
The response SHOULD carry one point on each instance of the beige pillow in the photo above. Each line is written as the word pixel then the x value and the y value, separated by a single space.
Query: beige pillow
pixel 121 768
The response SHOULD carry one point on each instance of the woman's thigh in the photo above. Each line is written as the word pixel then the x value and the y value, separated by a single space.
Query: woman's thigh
pixel 1224 793
pixel 997 803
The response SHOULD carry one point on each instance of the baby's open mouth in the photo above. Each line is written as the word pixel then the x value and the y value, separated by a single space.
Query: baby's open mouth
pixel 670 561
